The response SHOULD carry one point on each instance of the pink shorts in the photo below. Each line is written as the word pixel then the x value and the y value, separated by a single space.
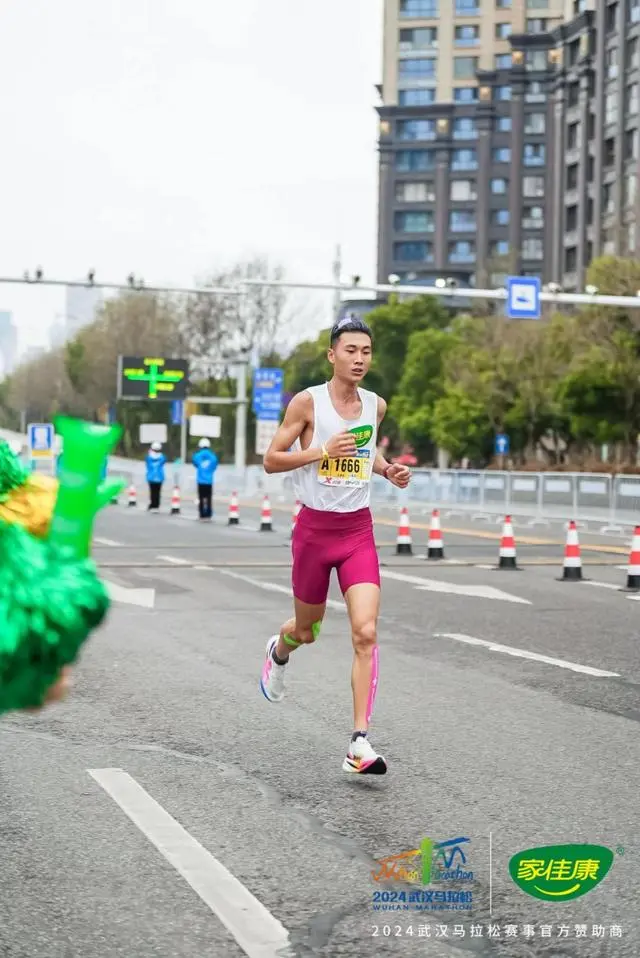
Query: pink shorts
pixel 323 541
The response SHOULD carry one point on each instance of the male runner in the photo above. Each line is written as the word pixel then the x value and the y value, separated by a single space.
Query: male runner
pixel 334 429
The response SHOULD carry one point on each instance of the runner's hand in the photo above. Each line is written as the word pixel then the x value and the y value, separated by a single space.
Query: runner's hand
pixel 342 444
pixel 399 476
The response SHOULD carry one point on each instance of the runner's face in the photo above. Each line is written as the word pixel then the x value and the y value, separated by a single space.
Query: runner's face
pixel 351 357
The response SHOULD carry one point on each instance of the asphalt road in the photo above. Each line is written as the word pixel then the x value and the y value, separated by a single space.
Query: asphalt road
pixel 167 809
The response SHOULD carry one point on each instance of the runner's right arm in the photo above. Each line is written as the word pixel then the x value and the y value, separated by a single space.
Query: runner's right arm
pixel 299 414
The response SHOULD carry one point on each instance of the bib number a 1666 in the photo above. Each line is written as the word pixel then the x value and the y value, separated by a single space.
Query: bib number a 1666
pixel 346 469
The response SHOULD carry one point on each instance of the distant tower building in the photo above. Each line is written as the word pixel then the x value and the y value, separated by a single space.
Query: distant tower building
pixel 8 342
pixel 82 305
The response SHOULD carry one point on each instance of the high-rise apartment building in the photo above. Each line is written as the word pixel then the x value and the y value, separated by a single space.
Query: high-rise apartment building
pixel 8 343
pixel 500 121
pixel 82 306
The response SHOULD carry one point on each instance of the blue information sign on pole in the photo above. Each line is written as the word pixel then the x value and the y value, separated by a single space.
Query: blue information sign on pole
pixel 267 393
pixel 502 444
pixel 41 438
pixel 177 408
pixel 523 297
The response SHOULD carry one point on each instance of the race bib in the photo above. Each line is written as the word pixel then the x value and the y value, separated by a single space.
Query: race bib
pixel 346 471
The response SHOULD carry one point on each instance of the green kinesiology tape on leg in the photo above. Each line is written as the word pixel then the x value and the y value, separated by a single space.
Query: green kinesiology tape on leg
pixel 290 641
pixel 315 630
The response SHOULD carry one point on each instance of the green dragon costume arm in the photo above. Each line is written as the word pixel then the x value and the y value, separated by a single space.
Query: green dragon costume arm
pixel 51 597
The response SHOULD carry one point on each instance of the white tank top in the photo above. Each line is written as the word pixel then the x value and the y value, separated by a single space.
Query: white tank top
pixel 339 485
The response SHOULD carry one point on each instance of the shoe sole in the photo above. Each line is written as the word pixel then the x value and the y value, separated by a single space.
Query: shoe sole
pixel 262 688
pixel 379 767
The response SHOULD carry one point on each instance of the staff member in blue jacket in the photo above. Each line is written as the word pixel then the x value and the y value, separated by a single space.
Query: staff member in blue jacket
pixel 155 462
pixel 206 463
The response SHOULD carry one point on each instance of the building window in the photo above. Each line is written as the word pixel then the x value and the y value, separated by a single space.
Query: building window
pixel 461 191
pixel 537 25
pixel 572 219
pixel 407 192
pixel 536 60
pixel 535 124
pixel 416 96
pixel 462 221
pixel 413 221
pixel 611 107
pixel 634 11
pixel 499 248
pixel 503 93
pixel 462 251
pixel 467 8
pixel 608 203
pixel 464 68
pixel 464 128
pixel 570 259
pixel 533 218
pixel 416 129
pixel 503 4
pixel 611 61
pixel 537 4
pixel 609 152
pixel 467 36
pixel 534 154
pixel 413 252
pixel 532 248
pixel 409 161
pixel 503 124
pixel 572 177
pixel 464 160
pixel 631 99
pixel 414 68
pixel 500 217
pixel 419 8
pixel 502 154
pixel 573 136
pixel 498 186
pixel 421 38
pixel 533 186
pixel 535 92
pixel 465 94
pixel 503 61
pixel 630 189
pixel 632 58
pixel 503 31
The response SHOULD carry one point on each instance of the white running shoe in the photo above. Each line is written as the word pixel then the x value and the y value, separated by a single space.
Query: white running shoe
pixel 272 679
pixel 362 759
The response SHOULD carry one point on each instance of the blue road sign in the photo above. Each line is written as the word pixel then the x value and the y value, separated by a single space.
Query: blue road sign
pixel 523 297
pixel 40 438
pixel 502 444
pixel 267 393
pixel 177 408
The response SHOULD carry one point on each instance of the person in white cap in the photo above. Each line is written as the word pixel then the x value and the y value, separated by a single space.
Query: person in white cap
pixel 155 462
pixel 206 463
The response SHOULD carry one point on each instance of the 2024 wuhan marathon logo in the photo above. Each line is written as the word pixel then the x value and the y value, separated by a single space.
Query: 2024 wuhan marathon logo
pixel 440 868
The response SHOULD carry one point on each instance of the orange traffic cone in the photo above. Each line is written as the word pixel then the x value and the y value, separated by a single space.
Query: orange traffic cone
pixel 633 569
pixel 294 518
pixel 403 542
pixel 265 517
pixel 175 501
pixel 132 496
pixel 435 547
pixel 507 558
pixel 572 566
pixel 234 512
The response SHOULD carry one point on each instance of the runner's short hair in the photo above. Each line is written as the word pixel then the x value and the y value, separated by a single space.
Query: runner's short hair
pixel 350 324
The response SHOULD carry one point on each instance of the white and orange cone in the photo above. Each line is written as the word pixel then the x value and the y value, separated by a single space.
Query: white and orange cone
pixel 507 556
pixel 294 517
pixel 403 542
pixel 175 501
pixel 572 566
pixel 435 546
pixel 633 569
pixel 234 510
pixel 265 516
pixel 132 496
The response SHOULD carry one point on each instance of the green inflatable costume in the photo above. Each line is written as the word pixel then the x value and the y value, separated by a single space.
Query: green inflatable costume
pixel 51 597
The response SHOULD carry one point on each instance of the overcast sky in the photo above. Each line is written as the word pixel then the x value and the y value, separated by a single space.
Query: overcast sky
pixel 170 136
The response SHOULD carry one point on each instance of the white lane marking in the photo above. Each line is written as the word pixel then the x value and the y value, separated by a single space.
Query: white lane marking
pixel 453 588
pixel 267 586
pixel 145 598
pixel 258 933
pixel 174 559
pixel 602 585
pixel 525 654
pixel 106 542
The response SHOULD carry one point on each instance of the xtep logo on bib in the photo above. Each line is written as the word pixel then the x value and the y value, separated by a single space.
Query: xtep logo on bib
pixel 362 435
pixel 560 872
